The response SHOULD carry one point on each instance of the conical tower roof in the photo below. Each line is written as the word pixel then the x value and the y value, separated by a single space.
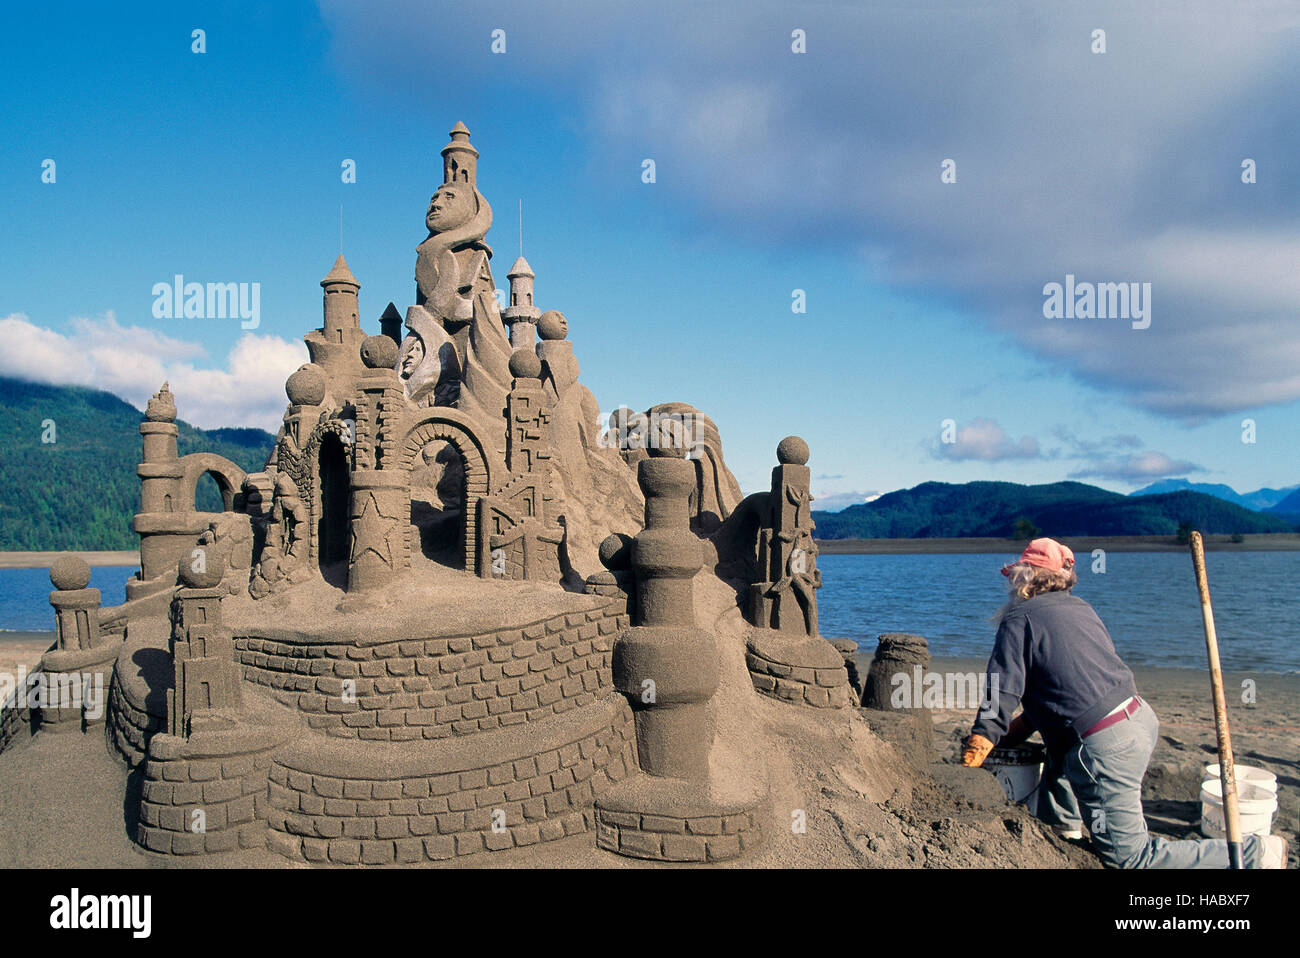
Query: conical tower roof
pixel 340 275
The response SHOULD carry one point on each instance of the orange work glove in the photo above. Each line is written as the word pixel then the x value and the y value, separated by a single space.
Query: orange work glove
pixel 975 749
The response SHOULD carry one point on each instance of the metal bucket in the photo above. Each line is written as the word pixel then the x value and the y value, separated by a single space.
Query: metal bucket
pixel 1018 770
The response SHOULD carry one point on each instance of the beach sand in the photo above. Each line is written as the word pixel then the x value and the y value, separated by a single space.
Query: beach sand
pixel 42 560
pixel 23 649
pixel 870 801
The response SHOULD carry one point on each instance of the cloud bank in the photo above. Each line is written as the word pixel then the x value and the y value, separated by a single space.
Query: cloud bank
pixel 132 362
pixel 1122 166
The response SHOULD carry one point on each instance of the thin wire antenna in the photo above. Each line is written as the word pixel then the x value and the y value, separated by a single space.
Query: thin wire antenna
pixel 521 227
pixel 340 229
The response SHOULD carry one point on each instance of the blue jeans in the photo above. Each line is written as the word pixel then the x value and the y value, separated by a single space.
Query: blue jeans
pixel 1105 773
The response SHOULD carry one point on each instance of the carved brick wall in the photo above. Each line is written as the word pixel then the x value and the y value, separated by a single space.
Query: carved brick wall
pixel 129 726
pixel 492 807
pixel 436 688
pixel 229 791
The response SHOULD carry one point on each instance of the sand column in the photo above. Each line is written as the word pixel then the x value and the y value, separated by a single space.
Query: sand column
pixel 76 607
pixel 667 666
pixel 166 524
pixel 897 669
pixel 787 554
pixel 72 683
pixel 380 513
pixel 206 682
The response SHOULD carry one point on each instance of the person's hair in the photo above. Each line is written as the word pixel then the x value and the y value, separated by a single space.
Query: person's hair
pixel 1026 581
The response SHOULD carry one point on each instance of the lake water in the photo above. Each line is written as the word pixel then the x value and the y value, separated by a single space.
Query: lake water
pixel 25 595
pixel 1147 600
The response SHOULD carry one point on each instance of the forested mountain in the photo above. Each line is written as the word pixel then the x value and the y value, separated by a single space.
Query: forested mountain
pixel 1010 510
pixel 81 490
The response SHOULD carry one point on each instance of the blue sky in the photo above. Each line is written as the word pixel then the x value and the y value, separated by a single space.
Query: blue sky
pixel 775 171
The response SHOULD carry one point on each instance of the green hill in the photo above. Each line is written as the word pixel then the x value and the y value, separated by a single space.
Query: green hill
pixel 978 509
pixel 81 491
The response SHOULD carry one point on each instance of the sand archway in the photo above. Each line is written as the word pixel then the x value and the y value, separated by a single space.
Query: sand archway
pixel 229 478
pixel 481 464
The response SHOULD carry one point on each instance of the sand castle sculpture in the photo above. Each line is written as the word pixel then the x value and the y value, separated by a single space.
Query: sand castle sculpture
pixel 455 613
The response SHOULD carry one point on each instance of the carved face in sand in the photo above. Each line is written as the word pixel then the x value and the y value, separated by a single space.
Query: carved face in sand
pixel 412 355
pixel 552 325
pixel 450 207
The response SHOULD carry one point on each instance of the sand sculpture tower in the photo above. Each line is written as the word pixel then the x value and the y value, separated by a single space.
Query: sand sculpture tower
pixel 76 605
pixel 381 495
pixel 72 683
pixel 665 664
pixel 459 158
pixel 518 537
pixel 458 218
pixel 206 692
pixel 668 667
pixel 390 323
pixel 527 443
pixel 334 346
pixel 521 315
pixel 786 657
pixel 167 522
pixel 164 527
pixel 787 554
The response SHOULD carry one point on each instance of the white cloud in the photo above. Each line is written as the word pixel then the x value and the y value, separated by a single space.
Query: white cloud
pixel 835 501
pixel 1137 467
pixel 985 440
pixel 132 362
pixel 1121 458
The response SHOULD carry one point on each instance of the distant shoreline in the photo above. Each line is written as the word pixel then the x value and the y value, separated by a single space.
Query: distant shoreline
pixel 43 560
pixel 1256 542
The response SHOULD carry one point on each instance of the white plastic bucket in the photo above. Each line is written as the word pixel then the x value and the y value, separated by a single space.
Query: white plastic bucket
pixel 1256 805
pixel 1246 775
pixel 1017 770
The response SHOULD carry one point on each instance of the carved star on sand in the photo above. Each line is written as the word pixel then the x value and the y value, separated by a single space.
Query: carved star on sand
pixel 368 537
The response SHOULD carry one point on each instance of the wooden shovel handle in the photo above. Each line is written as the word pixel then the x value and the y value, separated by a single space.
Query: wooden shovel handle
pixel 1227 773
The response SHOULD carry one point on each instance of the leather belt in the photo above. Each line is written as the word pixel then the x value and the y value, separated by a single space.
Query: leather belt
pixel 1134 704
